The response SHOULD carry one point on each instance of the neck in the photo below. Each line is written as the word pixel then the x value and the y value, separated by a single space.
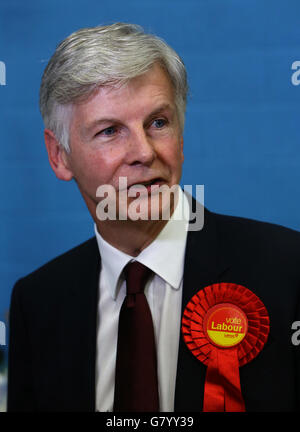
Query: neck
pixel 131 237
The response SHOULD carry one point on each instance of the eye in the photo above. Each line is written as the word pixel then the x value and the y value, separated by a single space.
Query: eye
pixel 111 130
pixel 159 123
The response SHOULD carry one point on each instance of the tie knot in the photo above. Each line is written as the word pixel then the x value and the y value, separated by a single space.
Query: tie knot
pixel 136 275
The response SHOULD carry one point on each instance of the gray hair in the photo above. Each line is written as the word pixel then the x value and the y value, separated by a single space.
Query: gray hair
pixel 103 56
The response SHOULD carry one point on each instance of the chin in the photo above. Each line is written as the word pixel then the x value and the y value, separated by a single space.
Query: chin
pixel 151 206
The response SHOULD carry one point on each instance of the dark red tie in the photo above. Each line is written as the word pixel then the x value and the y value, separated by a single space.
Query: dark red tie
pixel 136 383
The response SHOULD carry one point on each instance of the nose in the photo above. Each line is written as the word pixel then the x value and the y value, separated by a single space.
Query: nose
pixel 140 148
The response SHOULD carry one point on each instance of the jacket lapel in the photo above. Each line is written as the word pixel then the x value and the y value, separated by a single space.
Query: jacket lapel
pixel 78 331
pixel 204 265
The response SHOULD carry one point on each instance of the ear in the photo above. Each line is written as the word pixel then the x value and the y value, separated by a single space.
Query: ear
pixel 57 156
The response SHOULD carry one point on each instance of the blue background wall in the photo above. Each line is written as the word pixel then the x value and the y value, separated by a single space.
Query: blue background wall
pixel 242 135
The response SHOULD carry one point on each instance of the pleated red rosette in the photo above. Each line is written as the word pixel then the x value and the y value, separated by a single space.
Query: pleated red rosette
pixel 215 308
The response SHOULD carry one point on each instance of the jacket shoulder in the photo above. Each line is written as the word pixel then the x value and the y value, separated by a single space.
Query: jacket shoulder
pixel 258 235
pixel 252 226
pixel 62 269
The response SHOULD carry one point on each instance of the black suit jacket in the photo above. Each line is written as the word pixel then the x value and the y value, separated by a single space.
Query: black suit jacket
pixel 53 320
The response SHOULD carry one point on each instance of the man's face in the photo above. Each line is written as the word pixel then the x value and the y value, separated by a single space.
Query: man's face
pixel 131 132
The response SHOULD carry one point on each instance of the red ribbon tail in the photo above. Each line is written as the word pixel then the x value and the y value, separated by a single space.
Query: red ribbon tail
pixel 222 391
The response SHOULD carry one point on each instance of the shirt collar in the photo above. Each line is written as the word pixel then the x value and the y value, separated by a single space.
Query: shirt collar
pixel 164 256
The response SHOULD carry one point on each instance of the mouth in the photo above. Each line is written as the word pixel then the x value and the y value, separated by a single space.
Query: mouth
pixel 156 182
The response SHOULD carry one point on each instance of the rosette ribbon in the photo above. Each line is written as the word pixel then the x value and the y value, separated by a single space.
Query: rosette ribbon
pixel 222 347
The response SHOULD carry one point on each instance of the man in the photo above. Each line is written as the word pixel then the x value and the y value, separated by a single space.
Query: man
pixel 113 102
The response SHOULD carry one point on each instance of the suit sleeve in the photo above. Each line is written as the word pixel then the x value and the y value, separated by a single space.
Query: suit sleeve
pixel 20 393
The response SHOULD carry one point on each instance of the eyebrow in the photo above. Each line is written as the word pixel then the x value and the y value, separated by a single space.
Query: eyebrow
pixel 164 107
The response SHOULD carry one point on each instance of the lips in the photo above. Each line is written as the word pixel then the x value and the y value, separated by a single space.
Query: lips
pixel 153 182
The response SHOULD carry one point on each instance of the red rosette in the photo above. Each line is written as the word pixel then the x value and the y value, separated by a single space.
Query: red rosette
pixel 222 386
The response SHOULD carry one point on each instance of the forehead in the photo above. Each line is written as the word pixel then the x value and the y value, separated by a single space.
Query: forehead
pixel 138 97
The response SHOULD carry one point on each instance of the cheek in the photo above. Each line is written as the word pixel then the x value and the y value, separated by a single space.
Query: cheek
pixel 175 161
pixel 110 158
pixel 174 156
pixel 95 167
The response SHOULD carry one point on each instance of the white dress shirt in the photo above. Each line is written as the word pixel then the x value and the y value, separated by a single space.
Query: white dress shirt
pixel 165 257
